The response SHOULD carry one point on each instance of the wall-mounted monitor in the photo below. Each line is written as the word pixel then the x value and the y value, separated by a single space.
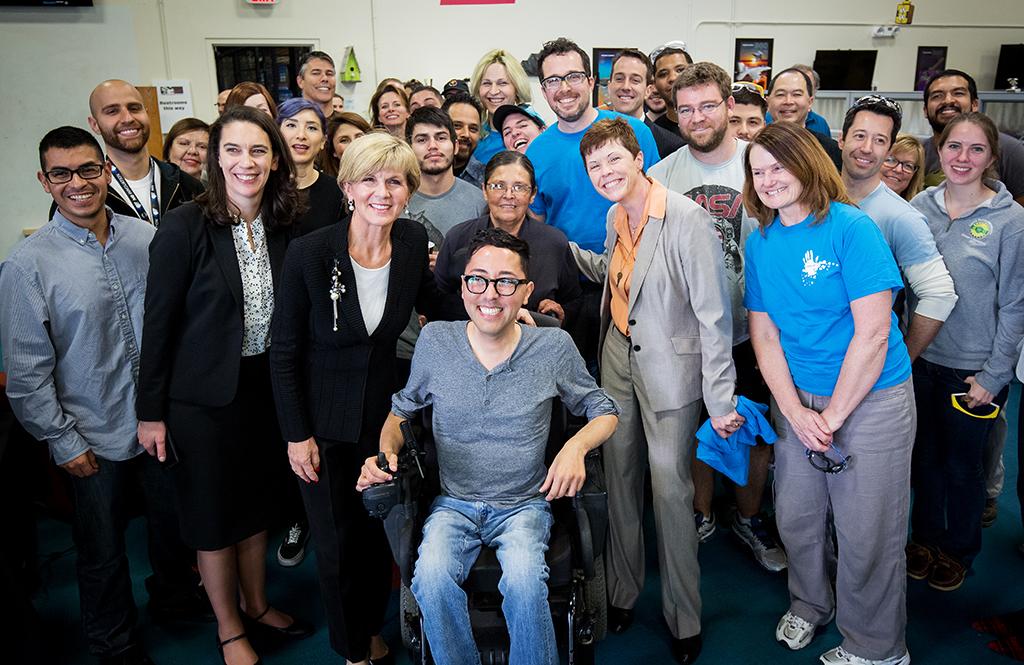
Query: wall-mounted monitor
pixel 1011 65
pixel 845 70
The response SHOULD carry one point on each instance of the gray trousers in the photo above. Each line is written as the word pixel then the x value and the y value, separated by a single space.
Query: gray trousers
pixel 870 503
pixel 665 440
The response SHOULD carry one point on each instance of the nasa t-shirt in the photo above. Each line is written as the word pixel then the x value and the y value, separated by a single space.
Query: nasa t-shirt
pixel 805 276
pixel 719 190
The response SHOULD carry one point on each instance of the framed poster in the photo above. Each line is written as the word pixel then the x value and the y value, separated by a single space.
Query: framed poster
pixel 753 60
pixel 602 64
pixel 930 61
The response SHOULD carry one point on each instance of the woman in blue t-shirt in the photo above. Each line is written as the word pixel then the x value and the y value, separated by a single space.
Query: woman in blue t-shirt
pixel 820 282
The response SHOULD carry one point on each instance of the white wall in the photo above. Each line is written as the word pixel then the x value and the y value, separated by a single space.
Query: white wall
pixel 51 58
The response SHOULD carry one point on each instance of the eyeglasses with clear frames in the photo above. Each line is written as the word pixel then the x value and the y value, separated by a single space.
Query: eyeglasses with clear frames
pixel 906 167
pixel 503 286
pixel 517 188
pixel 59 176
pixel 686 112
pixel 553 83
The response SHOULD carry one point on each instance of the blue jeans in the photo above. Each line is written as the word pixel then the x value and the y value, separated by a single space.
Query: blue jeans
pixel 452 537
pixel 103 507
pixel 948 474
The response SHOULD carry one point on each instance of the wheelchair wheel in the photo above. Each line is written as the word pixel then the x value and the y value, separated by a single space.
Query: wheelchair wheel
pixel 595 594
pixel 409 621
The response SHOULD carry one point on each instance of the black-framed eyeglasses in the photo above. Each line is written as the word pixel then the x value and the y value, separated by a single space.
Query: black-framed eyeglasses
pixel 553 83
pixel 871 100
pixel 60 175
pixel 516 187
pixel 822 462
pixel 686 112
pixel 504 286
pixel 906 167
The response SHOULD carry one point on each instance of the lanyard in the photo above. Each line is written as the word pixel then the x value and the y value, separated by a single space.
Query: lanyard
pixel 154 201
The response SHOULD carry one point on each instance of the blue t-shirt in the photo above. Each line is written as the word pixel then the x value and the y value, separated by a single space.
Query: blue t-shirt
pixel 814 123
pixel 805 276
pixel 903 226
pixel 489 146
pixel 564 192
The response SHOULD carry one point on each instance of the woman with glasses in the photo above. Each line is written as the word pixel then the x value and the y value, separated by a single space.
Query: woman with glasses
pixel 347 292
pixel 961 379
pixel 509 188
pixel 820 282
pixel 498 79
pixel 205 404
pixel 902 169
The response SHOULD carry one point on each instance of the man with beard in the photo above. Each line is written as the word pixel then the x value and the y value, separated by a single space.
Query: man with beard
pixel 869 129
pixel 669 61
pixel 709 170
pixel 467 118
pixel 318 81
pixel 441 199
pixel 948 94
pixel 142 186
pixel 627 87
pixel 70 326
pixel 790 96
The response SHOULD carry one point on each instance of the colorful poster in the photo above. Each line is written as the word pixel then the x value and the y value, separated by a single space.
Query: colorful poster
pixel 602 64
pixel 754 61
pixel 930 61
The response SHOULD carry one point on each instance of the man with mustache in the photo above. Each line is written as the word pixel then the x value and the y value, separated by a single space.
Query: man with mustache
pixel 142 186
pixel 948 94
pixel 467 118
pixel 70 326
pixel 709 170
pixel 627 87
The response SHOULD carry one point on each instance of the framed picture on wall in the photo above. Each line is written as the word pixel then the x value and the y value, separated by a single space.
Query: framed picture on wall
pixel 602 64
pixel 930 61
pixel 753 60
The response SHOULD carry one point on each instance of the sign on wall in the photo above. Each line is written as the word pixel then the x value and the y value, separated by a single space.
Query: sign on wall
pixel 174 97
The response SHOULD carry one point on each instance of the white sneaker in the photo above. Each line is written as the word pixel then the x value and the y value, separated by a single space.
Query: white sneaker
pixel 705 525
pixel 840 656
pixel 794 632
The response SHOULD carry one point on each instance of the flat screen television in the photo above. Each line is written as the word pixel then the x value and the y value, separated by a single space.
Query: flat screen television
pixel 1011 65
pixel 845 70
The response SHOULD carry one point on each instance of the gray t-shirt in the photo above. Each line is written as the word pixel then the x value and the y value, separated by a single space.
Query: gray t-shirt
pixel 718 188
pixel 491 427
pixel 460 203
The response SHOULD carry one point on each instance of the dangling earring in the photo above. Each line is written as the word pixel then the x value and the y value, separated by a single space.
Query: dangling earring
pixel 351 206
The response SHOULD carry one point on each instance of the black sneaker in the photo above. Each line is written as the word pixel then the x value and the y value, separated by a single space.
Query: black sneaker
pixel 990 513
pixel 293 548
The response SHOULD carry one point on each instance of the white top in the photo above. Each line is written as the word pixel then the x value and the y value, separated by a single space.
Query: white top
pixel 141 188
pixel 257 286
pixel 372 287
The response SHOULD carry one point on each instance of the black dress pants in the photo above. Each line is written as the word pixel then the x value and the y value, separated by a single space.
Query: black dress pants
pixel 354 560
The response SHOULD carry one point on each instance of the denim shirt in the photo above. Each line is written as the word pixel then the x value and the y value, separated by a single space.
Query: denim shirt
pixel 71 329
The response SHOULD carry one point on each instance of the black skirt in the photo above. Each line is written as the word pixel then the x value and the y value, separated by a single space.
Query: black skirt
pixel 232 462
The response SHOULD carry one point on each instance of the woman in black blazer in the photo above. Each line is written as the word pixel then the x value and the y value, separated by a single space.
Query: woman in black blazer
pixel 347 292
pixel 205 403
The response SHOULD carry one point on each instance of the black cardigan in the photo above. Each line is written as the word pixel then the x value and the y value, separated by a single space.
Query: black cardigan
pixel 192 327
pixel 337 385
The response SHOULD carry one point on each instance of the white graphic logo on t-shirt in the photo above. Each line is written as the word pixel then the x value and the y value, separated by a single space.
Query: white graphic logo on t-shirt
pixel 812 266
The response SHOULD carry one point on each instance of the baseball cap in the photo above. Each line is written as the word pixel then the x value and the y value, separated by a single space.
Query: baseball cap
pixel 455 85
pixel 504 111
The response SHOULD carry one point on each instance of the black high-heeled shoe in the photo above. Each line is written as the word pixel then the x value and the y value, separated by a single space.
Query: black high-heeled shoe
pixel 296 630
pixel 221 644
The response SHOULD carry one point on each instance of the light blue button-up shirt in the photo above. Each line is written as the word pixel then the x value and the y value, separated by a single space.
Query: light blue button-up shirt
pixel 71 329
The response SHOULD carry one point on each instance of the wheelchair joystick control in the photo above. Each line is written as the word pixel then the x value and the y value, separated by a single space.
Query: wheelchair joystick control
pixel 380 498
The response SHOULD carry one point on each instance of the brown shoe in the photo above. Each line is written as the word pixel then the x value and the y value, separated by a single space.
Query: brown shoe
pixel 947 573
pixel 920 560
pixel 990 513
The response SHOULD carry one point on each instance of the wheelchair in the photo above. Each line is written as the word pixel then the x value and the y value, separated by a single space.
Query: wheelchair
pixel 577 594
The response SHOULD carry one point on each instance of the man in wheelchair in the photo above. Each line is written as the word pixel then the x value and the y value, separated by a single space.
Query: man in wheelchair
pixel 491 383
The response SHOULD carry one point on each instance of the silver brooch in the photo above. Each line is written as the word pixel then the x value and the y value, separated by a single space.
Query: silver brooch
pixel 336 291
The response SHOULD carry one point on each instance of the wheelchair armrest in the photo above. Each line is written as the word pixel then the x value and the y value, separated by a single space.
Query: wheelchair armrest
pixel 591 508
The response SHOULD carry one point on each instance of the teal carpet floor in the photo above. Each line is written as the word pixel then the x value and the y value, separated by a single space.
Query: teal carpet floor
pixel 742 604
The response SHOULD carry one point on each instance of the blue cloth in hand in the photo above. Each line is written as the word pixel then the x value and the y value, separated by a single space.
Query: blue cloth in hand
pixel 732 456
